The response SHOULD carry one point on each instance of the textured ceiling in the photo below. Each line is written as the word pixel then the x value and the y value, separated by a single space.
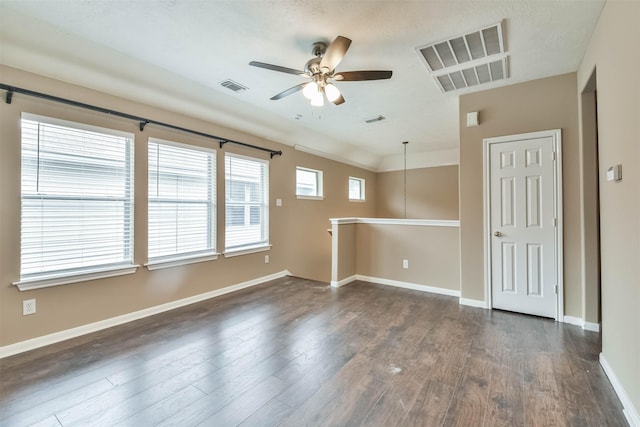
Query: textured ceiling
pixel 174 54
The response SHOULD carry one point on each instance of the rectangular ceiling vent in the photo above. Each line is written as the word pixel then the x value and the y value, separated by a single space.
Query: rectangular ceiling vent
pixel 234 86
pixel 468 60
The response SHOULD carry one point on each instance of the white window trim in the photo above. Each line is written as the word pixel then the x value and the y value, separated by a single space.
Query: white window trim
pixel 260 246
pixel 45 281
pixel 82 274
pixel 247 250
pixel 310 197
pixel 187 258
pixel 177 261
pixel 362 189
pixel 320 184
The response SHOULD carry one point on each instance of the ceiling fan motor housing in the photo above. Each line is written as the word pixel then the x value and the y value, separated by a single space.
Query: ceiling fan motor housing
pixel 312 66
pixel 319 48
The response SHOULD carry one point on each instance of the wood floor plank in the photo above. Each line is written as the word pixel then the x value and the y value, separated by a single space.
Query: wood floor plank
pixel 246 404
pixel 470 400
pixel 297 352
pixel 505 405
pixel 124 401
pixel 270 414
pixel 430 406
pixel 36 413
pixel 394 404
pixel 319 406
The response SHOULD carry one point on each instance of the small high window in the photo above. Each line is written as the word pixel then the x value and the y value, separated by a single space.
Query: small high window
pixel 356 189
pixel 308 183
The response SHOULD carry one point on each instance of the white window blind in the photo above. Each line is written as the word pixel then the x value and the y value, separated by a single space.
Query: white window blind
pixel 77 198
pixel 356 188
pixel 182 201
pixel 308 182
pixel 247 202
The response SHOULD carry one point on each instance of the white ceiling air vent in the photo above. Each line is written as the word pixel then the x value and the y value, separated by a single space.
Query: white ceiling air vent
pixel 234 86
pixel 467 60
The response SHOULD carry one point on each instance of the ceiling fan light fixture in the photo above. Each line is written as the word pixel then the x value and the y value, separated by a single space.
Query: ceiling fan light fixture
pixel 332 92
pixel 310 90
pixel 318 99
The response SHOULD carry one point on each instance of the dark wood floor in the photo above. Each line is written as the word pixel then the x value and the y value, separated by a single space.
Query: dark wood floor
pixel 297 353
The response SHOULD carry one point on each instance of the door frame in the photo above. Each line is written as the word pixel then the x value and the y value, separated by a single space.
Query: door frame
pixel 556 135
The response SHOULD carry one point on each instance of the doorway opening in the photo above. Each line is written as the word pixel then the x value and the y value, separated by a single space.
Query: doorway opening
pixel 591 304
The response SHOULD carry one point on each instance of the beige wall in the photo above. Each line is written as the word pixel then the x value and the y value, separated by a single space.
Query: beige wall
pixel 432 193
pixel 526 107
pixel 613 52
pixel 297 229
pixel 432 252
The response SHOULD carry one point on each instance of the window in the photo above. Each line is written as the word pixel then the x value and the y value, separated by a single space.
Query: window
pixel 182 202
pixel 356 189
pixel 247 203
pixel 308 183
pixel 76 199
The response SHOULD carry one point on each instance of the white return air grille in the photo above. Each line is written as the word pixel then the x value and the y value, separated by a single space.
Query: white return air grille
pixel 467 60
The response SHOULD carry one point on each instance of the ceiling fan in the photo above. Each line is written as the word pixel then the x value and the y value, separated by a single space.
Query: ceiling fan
pixel 320 70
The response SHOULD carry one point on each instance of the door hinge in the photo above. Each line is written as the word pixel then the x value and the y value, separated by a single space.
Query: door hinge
pixel 555 222
pixel 555 289
pixel 554 156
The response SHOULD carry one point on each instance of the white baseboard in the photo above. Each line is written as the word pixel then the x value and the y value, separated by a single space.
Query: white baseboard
pixel 342 282
pixel 20 347
pixel 630 411
pixel 407 285
pixel 587 326
pixel 573 320
pixel 593 327
pixel 473 303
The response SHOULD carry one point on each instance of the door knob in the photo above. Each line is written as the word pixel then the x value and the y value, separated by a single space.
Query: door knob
pixel 497 234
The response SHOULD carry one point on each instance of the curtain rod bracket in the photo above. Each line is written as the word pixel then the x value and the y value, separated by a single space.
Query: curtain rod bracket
pixel 9 96
pixel 275 153
pixel 143 124
pixel 222 142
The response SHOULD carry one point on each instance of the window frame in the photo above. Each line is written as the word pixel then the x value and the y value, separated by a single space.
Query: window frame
pixel 190 257
pixel 363 193
pixel 319 184
pixel 259 246
pixel 61 276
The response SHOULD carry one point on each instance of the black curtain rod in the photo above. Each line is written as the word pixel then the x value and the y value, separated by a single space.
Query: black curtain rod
pixel 141 120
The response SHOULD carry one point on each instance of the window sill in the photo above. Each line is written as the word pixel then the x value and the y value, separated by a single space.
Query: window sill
pixel 178 261
pixel 46 281
pixel 310 197
pixel 357 200
pixel 246 251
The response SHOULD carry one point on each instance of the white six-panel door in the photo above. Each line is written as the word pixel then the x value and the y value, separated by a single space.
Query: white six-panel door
pixel 522 226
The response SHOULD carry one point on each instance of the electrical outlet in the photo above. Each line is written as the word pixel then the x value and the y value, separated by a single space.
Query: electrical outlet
pixel 405 263
pixel 28 307
pixel 266 259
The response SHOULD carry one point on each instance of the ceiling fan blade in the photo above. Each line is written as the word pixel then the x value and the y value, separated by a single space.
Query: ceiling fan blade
pixel 339 101
pixel 278 68
pixel 289 91
pixel 334 54
pixel 354 76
